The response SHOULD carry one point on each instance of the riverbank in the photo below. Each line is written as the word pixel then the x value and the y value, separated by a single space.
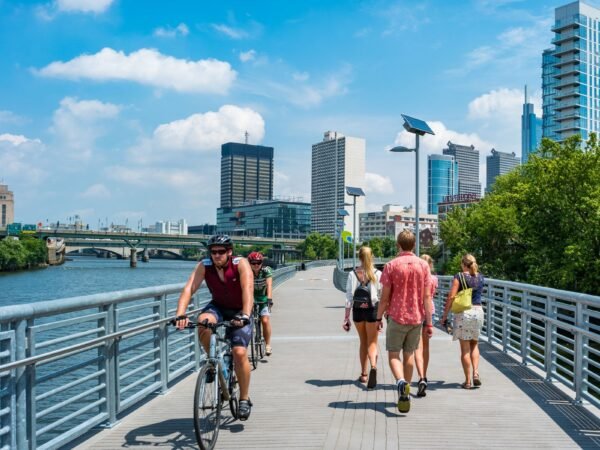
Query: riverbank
pixel 26 253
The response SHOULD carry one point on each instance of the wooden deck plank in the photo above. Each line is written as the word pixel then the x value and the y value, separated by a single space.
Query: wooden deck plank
pixel 306 395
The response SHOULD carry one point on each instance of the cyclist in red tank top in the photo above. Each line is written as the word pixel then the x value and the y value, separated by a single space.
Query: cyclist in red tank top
pixel 231 284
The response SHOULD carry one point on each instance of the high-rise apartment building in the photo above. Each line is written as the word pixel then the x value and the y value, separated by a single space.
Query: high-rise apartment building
pixel 499 163
pixel 570 83
pixel 338 161
pixel 468 167
pixel 246 173
pixel 7 206
pixel 442 180
pixel 531 130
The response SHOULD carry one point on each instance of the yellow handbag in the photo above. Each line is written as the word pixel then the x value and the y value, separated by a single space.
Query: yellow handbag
pixel 462 299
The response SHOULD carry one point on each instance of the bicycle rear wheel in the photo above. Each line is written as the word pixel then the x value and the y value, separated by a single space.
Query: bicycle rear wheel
pixel 234 394
pixel 207 407
pixel 259 341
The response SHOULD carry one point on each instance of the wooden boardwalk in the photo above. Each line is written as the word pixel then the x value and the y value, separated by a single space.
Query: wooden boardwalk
pixel 306 397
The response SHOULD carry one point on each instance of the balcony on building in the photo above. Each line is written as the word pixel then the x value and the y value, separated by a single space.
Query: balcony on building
pixel 568 58
pixel 574 22
pixel 569 35
pixel 566 93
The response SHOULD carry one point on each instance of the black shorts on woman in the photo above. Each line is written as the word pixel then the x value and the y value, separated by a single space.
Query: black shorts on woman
pixel 368 314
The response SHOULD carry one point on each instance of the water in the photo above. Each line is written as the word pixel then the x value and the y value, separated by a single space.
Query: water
pixel 89 275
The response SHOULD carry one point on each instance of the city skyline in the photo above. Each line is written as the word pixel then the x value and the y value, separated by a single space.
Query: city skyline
pixel 106 112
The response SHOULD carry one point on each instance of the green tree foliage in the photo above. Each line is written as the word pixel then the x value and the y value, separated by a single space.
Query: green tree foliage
pixel 21 254
pixel 318 246
pixel 540 224
pixel 382 247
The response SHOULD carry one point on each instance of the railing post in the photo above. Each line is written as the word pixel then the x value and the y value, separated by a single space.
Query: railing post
pixel 524 327
pixel 578 358
pixel 488 316
pixel 21 385
pixel 548 350
pixel 30 370
pixel 161 334
pixel 505 304
pixel 197 352
pixel 112 366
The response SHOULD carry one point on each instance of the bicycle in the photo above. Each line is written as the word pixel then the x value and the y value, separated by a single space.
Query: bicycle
pixel 258 343
pixel 209 395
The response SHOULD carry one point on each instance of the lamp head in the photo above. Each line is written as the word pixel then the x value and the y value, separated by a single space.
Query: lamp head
pixel 401 149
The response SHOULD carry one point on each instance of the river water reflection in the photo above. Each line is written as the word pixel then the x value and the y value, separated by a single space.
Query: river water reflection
pixel 89 275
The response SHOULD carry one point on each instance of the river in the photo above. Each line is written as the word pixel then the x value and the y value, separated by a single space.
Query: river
pixel 89 275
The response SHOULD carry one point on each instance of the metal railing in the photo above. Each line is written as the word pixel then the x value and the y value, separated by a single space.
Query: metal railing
pixel 72 364
pixel 556 331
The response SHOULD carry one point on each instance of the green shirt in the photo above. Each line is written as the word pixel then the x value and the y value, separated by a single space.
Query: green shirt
pixel 260 284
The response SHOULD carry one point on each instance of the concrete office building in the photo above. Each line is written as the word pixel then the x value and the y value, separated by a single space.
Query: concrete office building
pixel 170 227
pixel 499 163
pixel 468 167
pixel 7 206
pixel 338 161
pixel 391 220
pixel 531 130
pixel 570 82
pixel 246 173
pixel 442 180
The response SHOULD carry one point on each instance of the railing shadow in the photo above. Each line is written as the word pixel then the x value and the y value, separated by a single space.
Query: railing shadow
pixel 575 420
pixel 381 407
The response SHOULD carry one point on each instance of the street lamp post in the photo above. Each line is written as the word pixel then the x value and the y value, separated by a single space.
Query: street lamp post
pixel 418 128
pixel 342 213
pixel 354 192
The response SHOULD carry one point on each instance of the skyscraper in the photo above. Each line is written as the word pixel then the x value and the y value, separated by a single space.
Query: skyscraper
pixel 246 173
pixel 571 91
pixel 442 180
pixel 530 130
pixel 338 161
pixel 499 163
pixel 468 167
pixel 7 206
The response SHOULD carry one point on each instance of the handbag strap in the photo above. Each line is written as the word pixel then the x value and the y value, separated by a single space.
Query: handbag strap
pixel 463 282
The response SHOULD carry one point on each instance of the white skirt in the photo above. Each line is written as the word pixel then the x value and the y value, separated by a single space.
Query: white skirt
pixel 467 325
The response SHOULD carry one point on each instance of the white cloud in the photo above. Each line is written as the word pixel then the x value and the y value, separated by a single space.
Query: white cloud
pixel 231 32
pixel 502 103
pixel 436 143
pixel 148 67
pixel 184 180
pixel 207 131
pixel 10 117
pixel 376 183
pixel 85 6
pixel 96 191
pixel 250 55
pixel 168 32
pixel 17 139
pixel 301 76
pixel 77 124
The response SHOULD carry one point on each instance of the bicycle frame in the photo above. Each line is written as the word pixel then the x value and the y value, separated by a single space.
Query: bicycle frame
pixel 215 358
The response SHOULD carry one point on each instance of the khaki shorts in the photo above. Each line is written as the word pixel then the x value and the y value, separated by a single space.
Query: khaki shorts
pixel 402 337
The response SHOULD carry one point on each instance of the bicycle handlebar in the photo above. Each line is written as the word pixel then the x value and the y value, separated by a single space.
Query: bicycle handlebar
pixel 211 326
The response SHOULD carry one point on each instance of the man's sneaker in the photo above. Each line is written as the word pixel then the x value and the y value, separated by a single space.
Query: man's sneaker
pixel 403 397
pixel 422 387
pixel 244 410
pixel 268 350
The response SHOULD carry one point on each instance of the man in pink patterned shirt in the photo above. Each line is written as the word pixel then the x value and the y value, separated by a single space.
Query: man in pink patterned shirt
pixel 406 298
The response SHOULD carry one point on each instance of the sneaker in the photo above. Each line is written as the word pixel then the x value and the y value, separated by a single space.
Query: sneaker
pixel 244 410
pixel 422 387
pixel 404 397
pixel 268 350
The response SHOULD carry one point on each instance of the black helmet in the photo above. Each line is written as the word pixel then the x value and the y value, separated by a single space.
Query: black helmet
pixel 221 240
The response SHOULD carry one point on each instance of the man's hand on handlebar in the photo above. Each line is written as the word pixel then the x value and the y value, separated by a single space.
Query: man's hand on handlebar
pixel 240 320
pixel 181 322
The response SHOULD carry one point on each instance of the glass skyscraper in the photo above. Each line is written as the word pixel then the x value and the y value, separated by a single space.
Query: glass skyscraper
pixel 442 180
pixel 499 163
pixel 468 167
pixel 570 73
pixel 530 130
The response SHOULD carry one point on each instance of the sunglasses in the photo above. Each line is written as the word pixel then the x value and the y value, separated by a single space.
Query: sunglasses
pixel 218 252
pixel 256 263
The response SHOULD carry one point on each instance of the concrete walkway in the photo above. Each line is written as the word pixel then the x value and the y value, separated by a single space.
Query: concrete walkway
pixel 306 397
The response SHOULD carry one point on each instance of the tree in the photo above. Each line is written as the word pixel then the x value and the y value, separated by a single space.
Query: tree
pixel 318 246
pixel 12 255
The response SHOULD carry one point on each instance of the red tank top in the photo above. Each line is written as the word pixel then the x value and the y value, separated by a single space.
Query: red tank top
pixel 228 293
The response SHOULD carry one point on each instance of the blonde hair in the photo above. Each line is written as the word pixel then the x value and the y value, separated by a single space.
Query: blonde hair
pixel 366 259
pixel 406 240
pixel 470 263
pixel 429 260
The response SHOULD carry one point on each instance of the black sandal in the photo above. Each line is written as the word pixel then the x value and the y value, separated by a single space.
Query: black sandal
pixel 372 378
pixel 476 380
pixel 244 409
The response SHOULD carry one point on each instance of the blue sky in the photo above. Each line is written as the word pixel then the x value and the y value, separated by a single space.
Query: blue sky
pixel 115 109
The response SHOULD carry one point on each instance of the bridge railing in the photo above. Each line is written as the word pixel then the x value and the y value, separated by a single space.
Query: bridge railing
pixel 556 331
pixel 69 365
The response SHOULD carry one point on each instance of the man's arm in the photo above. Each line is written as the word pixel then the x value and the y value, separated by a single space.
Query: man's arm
pixel 384 301
pixel 247 284
pixel 194 282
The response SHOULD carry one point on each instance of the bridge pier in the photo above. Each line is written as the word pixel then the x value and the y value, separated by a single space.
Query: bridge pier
pixel 146 256
pixel 133 258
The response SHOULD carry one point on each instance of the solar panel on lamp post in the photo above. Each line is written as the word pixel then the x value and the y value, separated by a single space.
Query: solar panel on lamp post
pixel 342 213
pixel 418 128
pixel 354 192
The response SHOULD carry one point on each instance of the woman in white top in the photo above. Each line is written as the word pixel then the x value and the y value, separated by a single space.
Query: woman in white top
pixel 362 296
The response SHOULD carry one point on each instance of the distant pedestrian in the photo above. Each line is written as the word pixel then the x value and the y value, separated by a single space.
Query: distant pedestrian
pixel 422 352
pixel 362 297
pixel 406 298
pixel 467 325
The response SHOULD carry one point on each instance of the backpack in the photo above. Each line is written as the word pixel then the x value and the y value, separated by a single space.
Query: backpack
pixel 362 295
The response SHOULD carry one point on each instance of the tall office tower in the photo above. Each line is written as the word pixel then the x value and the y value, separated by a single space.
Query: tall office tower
pixel 246 173
pixel 338 161
pixel 468 167
pixel 571 81
pixel 499 163
pixel 530 130
pixel 7 206
pixel 442 180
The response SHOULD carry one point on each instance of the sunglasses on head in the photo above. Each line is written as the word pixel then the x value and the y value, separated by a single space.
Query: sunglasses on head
pixel 256 263
pixel 218 252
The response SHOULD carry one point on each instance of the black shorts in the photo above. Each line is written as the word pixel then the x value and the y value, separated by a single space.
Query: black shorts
pixel 239 337
pixel 364 314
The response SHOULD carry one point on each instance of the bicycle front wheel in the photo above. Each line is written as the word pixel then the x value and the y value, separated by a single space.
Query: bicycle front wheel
pixel 259 341
pixel 207 407
pixel 253 355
